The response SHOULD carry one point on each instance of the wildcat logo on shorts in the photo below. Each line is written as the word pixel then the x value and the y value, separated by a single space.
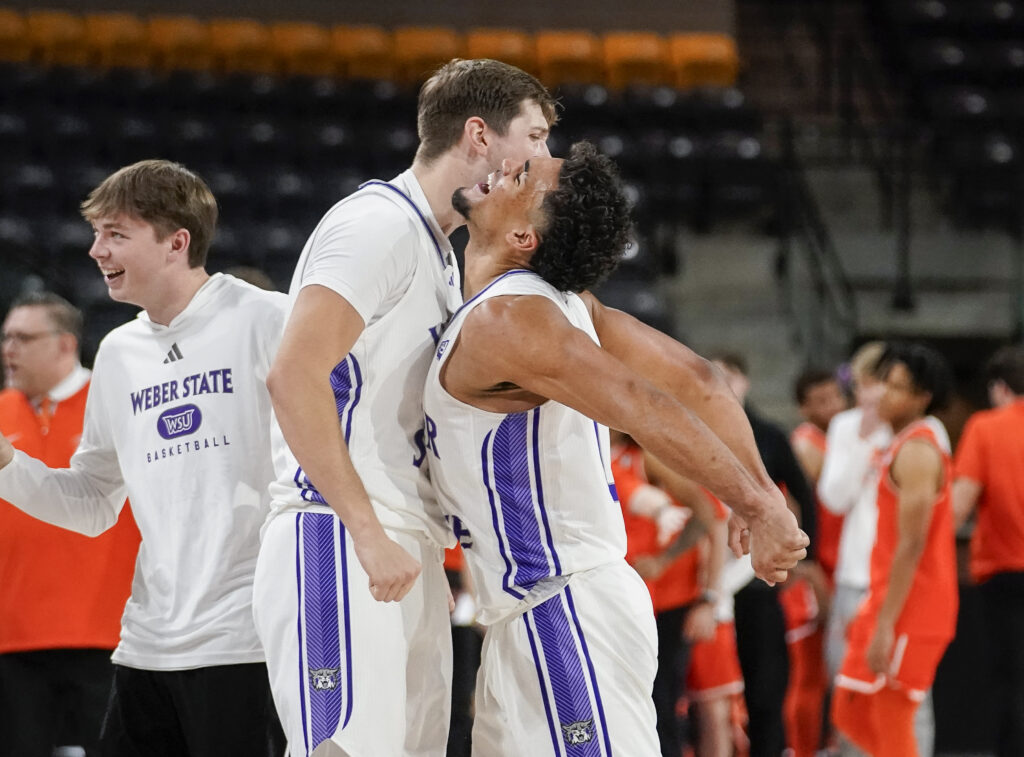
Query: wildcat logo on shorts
pixel 580 732
pixel 179 421
pixel 324 679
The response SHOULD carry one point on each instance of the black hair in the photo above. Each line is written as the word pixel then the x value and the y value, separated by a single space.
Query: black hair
pixel 586 223
pixel 809 379
pixel 928 370
pixel 1007 365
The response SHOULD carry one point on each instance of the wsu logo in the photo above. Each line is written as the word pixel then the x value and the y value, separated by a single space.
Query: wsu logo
pixel 179 421
pixel 324 679
pixel 580 732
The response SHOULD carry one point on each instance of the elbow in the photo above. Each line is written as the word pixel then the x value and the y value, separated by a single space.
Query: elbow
pixel 277 381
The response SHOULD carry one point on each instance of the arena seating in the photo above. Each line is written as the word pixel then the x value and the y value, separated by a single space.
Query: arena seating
pixel 962 61
pixel 283 119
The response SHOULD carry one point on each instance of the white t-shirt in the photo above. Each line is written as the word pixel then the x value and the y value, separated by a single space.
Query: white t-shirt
pixel 383 251
pixel 178 420
pixel 530 494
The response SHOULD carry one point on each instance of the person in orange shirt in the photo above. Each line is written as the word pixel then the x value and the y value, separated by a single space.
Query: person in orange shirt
pixel 61 593
pixel 990 477
pixel 684 613
pixel 908 619
pixel 805 595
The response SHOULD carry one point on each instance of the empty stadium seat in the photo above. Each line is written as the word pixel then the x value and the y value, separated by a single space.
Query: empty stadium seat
pixel 57 38
pixel 241 44
pixel 569 56
pixel 302 48
pixel 635 58
pixel 512 46
pixel 420 50
pixel 117 39
pixel 15 45
pixel 703 60
pixel 179 42
pixel 363 52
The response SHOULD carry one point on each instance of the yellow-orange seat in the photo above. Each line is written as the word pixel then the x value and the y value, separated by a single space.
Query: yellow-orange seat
pixel 419 50
pixel 363 52
pixel 703 60
pixel 14 41
pixel 569 56
pixel 636 58
pixel 241 44
pixel 180 42
pixel 117 39
pixel 302 48
pixel 57 38
pixel 509 45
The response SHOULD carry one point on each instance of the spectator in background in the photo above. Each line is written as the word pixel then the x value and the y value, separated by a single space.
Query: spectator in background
pixel 61 593
pixel 990 477
pixel 846 488
pixel 760 624
pixel 806 595
pixel 903 627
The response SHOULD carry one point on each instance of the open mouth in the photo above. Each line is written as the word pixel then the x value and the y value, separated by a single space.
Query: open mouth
pixel 111 275
pixel 484 187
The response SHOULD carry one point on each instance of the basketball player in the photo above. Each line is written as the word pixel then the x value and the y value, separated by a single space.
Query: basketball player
pixel 354 519
pixel 178 418
pixel 525 380
pixel 909 616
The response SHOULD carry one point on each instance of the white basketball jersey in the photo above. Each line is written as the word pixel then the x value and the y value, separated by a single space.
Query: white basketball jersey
pixel 530 494
pixel 377 387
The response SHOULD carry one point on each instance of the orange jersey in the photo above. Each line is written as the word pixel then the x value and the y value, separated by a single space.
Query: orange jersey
pixel 714 669
pixel 830 525
pixel 991 453
pixel 60 589
pixel 678 585
pixel 931 606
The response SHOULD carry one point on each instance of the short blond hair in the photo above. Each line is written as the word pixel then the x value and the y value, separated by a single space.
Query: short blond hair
pixel 864 362
pixel 164 194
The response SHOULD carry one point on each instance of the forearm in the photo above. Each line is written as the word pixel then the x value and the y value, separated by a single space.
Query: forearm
pixel 305 410
pixel 66 497
pixel 685 444
pixel 686 540
pixel 842 477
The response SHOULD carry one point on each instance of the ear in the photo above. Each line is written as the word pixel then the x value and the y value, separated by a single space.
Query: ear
pixel 523 240
pixel 68 343
pixel 180 241
pixel 476 133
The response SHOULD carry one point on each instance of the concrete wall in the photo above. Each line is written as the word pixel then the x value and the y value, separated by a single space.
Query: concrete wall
pixel 596 15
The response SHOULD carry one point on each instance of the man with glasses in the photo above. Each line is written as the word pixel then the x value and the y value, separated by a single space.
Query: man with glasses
pixel 61 593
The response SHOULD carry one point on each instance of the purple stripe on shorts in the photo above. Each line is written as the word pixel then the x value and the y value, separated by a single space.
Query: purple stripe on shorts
pixel 568 680
pixel 543 688
pixel 590 670
pixel 320 608
pixel 302 676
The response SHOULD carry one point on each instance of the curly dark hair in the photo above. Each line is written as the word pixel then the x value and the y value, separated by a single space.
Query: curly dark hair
pixel 928 370
pixel 587 226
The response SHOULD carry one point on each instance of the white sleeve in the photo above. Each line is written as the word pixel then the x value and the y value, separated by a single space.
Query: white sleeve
pixel 88 496
pixel 846 465
pixel 364 250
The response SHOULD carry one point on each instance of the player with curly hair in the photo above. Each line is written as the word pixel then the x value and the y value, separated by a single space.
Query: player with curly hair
pixel 524 382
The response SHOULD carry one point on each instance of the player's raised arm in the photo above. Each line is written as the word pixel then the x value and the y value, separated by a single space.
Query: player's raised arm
pixel 321 331
pixel 542 353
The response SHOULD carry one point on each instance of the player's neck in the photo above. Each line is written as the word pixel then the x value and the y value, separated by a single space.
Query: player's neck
pixel 439 180
pixel 176 298
pixel 483 266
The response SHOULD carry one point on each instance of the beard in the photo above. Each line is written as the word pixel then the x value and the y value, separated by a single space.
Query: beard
pixel 461 203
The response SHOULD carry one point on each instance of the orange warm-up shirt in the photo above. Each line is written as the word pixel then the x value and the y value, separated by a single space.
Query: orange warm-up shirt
pixel 58 589
pixel 830 525
pixel 991 453
pixel 931 607
pixel 679 584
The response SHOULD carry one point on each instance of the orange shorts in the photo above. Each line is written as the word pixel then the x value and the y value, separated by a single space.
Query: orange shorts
pixel 912 668
pixel 714 666
pixel 799 608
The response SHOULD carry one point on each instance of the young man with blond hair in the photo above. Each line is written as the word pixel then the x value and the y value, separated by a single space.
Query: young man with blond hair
pixel 351 595
pixel 177 418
